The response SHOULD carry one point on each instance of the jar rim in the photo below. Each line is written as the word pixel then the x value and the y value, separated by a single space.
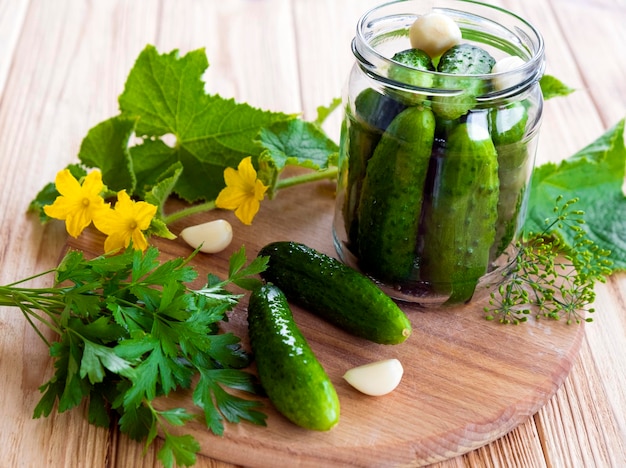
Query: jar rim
pixel 529 40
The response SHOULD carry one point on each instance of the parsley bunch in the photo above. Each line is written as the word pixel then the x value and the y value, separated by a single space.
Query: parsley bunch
pixel 550 277
pixel 130 329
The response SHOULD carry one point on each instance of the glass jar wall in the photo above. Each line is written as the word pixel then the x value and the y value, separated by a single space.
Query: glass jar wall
pixel 435 164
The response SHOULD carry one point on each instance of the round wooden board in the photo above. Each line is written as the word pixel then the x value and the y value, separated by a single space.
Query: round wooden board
pixel 467 381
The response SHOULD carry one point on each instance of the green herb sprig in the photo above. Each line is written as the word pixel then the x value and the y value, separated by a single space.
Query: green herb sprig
pixel 550 278
pixel 130 329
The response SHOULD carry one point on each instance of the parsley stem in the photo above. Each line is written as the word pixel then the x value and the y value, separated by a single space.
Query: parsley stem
pixel 329 173
pixel 27 314
pixel 31 300
pixel 24 280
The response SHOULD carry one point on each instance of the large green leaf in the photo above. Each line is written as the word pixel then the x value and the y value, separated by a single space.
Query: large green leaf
pixel 595 175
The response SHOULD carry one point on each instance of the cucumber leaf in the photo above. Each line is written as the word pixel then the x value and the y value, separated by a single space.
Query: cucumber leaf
pixel 595 175
pixel 166 94
pixel 553 87
pixel 324 111
pixel 179 128
pixel 299 143
pixel 106 147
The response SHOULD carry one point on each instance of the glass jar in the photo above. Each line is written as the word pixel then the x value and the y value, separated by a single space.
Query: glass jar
pixel 435 167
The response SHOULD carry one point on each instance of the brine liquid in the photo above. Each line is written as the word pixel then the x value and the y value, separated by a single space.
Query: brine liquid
pixel 515 164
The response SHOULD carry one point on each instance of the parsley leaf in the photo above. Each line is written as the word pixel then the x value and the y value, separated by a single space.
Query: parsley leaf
pixel 179 450
pixel 210 396
pixel 131 330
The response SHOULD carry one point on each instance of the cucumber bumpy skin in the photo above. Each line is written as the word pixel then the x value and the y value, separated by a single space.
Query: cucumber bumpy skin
pixel 507 126
pixel 392 195
pixel 461 59
pixel 335 292
pixel 373 112
pixel 294 380
pixel 419 62
pixel 459 222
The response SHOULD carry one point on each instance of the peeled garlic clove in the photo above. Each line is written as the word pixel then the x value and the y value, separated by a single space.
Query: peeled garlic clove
pixel 504 65
pixel 213 236
pixel 376 378
pixel 434 33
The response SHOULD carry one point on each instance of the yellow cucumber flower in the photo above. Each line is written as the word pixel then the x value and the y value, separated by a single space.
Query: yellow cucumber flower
pixel 78 204
pixel 243 192
pixel 125 222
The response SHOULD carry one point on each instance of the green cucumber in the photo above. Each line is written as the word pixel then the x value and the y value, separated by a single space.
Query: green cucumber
pixel 391 197
pixel 294 380
pixel 459 220
pixel 507 125
pixel 334 291
pixel 461 59
pixel 372 114
pixel 414 63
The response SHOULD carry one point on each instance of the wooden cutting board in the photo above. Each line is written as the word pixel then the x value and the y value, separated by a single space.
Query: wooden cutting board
pixel 467 381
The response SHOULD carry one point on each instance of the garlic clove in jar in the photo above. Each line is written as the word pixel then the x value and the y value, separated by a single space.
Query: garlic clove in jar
pixel 434 33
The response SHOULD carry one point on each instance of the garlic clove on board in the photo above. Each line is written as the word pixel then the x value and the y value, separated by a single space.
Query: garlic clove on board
pixel 211 237
pixel 376 378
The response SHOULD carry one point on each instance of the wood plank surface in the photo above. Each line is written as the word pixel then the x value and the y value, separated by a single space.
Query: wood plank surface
pixel 466 381
pixel 62 66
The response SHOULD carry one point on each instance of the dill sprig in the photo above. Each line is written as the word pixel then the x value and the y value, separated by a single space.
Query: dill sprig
pixel 550 278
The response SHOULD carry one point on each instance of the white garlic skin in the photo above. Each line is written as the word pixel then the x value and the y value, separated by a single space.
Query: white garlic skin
pixel 504 65
pixel 434 33
pixel 211 237
pixel 376 378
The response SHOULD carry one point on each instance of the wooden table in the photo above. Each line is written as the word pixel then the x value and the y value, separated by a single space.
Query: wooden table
pixel 62 66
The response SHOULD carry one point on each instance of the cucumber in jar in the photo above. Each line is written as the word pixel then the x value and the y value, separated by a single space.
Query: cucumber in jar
pixel 507 126
pixel 459 220
pixel 372 113
pixel 413 64
pixel 462 59
pixel 392 195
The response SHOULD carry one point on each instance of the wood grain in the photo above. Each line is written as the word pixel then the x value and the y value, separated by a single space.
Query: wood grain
pixel 62 66
pixel 467 381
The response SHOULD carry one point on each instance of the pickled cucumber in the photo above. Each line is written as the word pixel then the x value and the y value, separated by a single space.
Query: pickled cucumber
pixel 459 220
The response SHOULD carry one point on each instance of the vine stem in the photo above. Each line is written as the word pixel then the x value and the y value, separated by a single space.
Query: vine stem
pixel 315 176
pixel 193 209
pixel 329 173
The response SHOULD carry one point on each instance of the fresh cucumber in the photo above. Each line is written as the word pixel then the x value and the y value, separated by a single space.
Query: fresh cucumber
pixel 459 220
pixel 372 114
pixel 294 380
pixel 461 59
pixel 391 197
pixel 335 292
pixel 507 125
